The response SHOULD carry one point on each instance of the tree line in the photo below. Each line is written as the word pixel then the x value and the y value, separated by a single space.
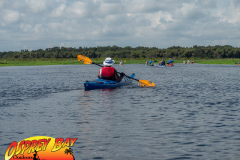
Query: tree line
pixel 202 52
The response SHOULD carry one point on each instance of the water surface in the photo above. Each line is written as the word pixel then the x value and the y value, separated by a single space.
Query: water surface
pixel 192 113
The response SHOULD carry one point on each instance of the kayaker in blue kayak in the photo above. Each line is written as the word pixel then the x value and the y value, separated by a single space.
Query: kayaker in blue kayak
pixel 151 62
pixel 162 62
pixel 108 72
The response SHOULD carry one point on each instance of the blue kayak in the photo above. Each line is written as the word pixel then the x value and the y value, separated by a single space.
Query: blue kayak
pixel 103 83
pixel 162 65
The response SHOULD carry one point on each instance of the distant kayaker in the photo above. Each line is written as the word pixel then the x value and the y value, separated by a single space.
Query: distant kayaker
pixel 108 72
pixel 162 62
pixel 170 61
pixel 151 62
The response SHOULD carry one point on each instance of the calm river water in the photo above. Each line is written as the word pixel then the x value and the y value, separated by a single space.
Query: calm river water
pixel 192 113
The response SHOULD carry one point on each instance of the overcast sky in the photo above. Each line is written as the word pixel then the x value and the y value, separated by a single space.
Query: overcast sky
pixel 39 24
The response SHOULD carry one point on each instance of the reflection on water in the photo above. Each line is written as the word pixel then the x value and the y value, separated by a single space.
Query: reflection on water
pixel 105 94
pixel 192 113
pixel 85 98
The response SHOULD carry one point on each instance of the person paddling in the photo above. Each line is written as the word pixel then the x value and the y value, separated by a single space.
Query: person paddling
pixel 108 72
pixel 162 62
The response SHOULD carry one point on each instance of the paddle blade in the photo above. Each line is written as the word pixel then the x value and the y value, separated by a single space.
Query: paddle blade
pixel 84 59
pixel 146 83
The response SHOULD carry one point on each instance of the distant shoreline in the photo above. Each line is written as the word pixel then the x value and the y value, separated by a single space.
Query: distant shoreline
pixel 74 61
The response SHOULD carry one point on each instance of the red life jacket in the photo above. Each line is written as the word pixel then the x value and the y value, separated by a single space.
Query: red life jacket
pixel 107 73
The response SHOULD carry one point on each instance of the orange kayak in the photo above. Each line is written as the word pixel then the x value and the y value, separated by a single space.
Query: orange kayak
pixel 171 64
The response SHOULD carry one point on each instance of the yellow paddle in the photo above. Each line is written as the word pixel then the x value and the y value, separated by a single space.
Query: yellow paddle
pixel 142 83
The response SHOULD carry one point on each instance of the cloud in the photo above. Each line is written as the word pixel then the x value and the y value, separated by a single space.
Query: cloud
pixel 58 11
pixel 2 2
pixel 11 16
pixel 235 3
pixel 191 11
pixel 43 23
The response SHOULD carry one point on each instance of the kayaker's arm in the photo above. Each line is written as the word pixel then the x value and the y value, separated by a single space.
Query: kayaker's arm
pixel 118 79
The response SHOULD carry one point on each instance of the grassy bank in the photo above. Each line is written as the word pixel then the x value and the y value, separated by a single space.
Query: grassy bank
pixel 74 61
pixel 219 61
pixel 36 62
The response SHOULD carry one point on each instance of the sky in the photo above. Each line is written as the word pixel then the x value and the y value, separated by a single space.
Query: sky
pixel 41 24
